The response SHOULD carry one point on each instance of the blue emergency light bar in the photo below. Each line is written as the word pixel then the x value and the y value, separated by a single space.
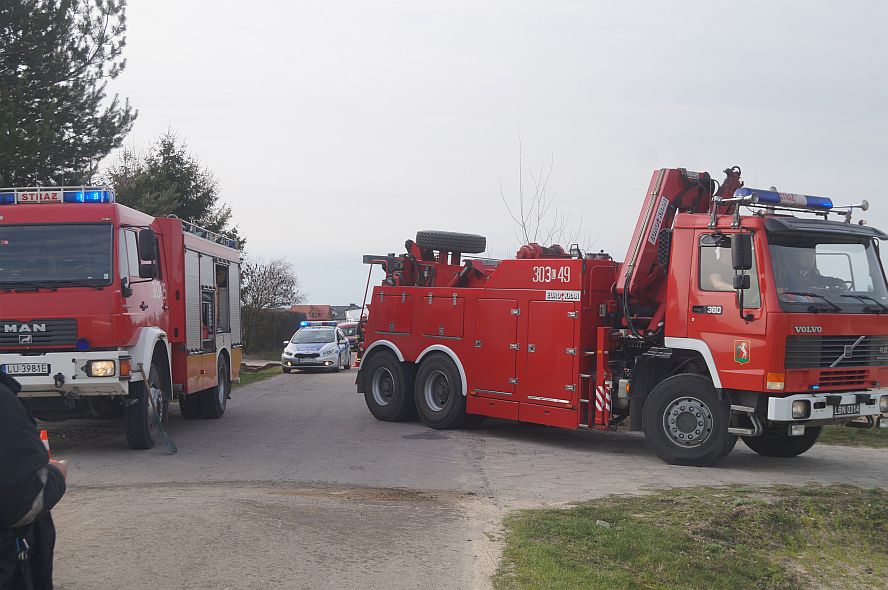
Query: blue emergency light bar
pixel 305 323
pixel 777 199
pixel 47 195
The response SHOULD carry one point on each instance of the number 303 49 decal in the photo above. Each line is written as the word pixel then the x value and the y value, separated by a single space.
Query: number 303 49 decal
pixel 549 274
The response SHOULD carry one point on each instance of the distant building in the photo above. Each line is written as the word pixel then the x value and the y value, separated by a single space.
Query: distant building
pixel 339 311
pixel 315 312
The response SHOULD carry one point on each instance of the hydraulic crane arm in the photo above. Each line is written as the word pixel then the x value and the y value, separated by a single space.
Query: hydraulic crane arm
pixel 642 279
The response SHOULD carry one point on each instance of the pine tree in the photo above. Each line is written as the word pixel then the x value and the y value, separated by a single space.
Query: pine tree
pixel 169 180
pixel 56 58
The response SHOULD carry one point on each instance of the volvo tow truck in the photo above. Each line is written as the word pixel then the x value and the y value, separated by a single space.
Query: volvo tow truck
pixel 737 312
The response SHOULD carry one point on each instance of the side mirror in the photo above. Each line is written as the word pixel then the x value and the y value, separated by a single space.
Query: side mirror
pixel 741 282
pixel 741 251
pixel 148 270
pixel 147 245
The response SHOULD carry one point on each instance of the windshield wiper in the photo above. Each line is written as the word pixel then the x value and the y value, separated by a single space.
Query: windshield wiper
pixel 868 298
pixel 809 294
pixel 17 286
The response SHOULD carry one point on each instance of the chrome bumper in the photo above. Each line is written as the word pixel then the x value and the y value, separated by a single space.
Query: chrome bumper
pixel 70 366
pixel 823 406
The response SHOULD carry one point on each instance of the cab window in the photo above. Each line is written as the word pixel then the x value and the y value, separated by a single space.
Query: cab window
pixel 128 252
pixel 717 274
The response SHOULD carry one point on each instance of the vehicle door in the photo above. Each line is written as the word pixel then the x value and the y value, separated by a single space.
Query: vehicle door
pixel 737 344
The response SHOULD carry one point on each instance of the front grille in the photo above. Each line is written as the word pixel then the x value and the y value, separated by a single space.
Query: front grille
pixel 843 378
pixel 823 352
pixel 54 332
pixel 306 355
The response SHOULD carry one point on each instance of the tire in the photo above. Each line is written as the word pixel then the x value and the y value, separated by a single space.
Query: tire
pixel 140 424
pixel 779 444
pixel 439 398
pixel 388 387
pixel 685 423
pixel 286 370
pixel 214 399
pixel 189 406
pixel 451 241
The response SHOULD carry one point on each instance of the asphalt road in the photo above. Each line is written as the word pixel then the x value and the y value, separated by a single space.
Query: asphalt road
pixel 299 487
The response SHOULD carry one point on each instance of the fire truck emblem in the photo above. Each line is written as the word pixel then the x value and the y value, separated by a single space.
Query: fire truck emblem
pixel 741 351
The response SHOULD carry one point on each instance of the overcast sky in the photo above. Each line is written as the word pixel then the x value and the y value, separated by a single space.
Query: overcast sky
pixel 340 128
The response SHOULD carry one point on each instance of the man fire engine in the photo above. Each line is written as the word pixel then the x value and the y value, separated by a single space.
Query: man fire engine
pixel 765 326
pixel 104 309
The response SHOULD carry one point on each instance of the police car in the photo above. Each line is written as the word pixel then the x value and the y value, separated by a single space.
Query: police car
pixel 318 345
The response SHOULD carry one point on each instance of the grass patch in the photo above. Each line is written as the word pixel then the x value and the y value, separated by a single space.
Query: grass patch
pixel 854 437
pixel 734 537
pixel 248 377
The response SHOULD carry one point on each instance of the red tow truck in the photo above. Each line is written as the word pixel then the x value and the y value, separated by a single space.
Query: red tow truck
pixel 97 298
pixel 737 312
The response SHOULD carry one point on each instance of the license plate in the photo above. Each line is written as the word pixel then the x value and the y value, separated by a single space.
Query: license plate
pixel 847 410
pixel 308 360
pixel 25 369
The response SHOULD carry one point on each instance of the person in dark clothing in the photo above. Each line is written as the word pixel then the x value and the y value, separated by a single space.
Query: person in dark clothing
pixel 30 485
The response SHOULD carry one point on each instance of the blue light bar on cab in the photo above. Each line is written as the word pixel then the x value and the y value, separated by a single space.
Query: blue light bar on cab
pixel 42 195
pixel 89 196
pixel 777 199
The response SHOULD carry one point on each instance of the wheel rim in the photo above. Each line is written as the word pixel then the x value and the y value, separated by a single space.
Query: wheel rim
pixel 383 386
pixel 437 391
pixel 688 422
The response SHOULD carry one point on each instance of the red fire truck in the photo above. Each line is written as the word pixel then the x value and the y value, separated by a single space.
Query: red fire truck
pixel 96 298
pixel 765 325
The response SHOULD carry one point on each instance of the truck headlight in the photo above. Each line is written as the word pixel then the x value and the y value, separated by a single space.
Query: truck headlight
pixel 101 368
pixel 883 404
pixel 801 408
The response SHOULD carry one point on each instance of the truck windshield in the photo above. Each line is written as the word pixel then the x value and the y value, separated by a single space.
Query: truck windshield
pixel 312 337
pixel 828 272
pixel 53 255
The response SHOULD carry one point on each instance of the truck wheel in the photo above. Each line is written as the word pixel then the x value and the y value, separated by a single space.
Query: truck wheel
pixel 439 397
pixel 780 444
pixel 189 406
pixel 451 241
pixel 214 399
pixel 685 423
pixel 140 423
pixel 388 387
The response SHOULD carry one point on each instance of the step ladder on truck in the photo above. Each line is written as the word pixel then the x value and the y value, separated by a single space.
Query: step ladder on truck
pixel 737 312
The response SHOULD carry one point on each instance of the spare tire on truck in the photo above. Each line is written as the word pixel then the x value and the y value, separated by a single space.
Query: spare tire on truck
pixel 451 241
